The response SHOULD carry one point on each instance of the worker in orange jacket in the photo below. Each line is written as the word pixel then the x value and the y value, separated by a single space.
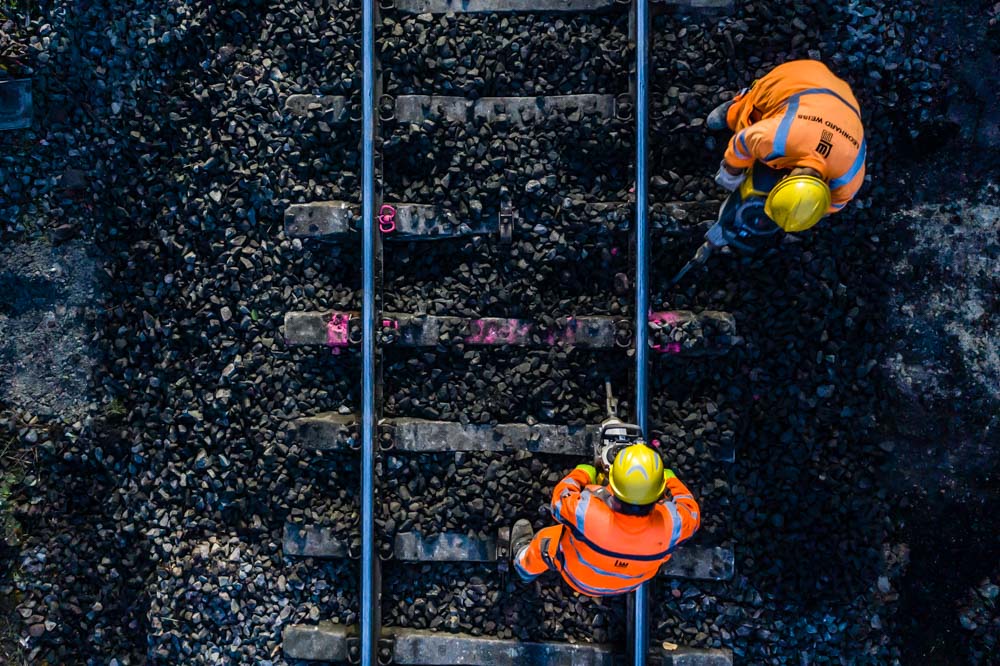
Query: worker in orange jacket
pixel 612 538
pixel 799 118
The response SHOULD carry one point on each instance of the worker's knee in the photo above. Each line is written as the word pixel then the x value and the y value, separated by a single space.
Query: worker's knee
pixel 536 558
pixel 519 567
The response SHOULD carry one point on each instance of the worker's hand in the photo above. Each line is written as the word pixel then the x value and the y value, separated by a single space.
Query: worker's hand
pixel 589 469
pixel 669 474
pixel 726 179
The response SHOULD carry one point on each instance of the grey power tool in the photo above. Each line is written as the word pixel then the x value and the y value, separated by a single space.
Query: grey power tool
pixel 615 434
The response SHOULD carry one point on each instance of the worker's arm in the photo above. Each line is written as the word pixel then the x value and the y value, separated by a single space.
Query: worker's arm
pixel 753 143
pixel 686 508
pixel 840 196
pixel 566 496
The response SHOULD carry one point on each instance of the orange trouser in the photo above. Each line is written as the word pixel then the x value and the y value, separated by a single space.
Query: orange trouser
pixel 540 555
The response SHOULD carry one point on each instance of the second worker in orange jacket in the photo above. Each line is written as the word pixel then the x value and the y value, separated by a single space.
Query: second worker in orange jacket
pixel 610 539
pixel 800 118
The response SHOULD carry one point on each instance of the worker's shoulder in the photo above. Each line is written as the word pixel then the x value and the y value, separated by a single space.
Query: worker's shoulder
pixel 816 69
pixel 601 494
pixel 666 510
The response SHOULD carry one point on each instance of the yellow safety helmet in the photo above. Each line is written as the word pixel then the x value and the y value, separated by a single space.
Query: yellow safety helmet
pixel 636 476
pixel 798 202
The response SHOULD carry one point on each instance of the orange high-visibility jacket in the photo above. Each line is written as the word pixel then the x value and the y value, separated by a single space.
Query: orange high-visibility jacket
pixel 604 552
pixel 801 115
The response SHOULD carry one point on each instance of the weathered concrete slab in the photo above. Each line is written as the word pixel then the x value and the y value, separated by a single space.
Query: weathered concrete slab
pixel 673 655
pixel 518 110
pixel 341 220
pixel 697 4
pixel 685 333
pixel 15 104
pixel 675 333
pixel 416 646
pixel 336 220
pixel 700 563
pixel 311 541
pixel 322 219
pixel 327 432
pixel 420 435
pixel 326 328
pixel 690 562
pixel 339 432
pixel 331 642
pixel 334 431
pixel 325 641
pixel 414 547
pixel 428 331
pixel 500 6
pixel 332 107
pixel 318 328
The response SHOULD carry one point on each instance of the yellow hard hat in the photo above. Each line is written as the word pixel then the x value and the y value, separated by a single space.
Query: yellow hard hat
pixel 636 476
pixel 798 202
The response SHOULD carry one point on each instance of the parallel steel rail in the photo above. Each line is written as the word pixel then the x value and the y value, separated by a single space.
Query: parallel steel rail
pixel 640 599
pixel 371 596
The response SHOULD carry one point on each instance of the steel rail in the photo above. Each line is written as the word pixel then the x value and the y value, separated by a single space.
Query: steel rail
pixel 370 593
pixel 640 621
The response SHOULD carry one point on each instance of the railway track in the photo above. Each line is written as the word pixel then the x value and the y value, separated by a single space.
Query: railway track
pixel 389 445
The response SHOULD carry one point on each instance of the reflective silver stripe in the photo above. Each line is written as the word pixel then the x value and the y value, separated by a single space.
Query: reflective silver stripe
pixel 691 512
pixel 581 511
pixel 676 535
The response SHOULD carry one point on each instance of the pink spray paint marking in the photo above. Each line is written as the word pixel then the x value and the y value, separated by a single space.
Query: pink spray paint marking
pixel 338 330
pixel 387 219
pixel 665 318
pixel 497 331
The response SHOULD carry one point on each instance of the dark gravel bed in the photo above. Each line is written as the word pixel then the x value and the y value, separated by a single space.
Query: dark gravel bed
pixel 466 493
pixel 491 56
pixel 464 166
pixel 565 260
pixel 479 386
pixel 150 531
pixel 810 316
pixel 474 602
